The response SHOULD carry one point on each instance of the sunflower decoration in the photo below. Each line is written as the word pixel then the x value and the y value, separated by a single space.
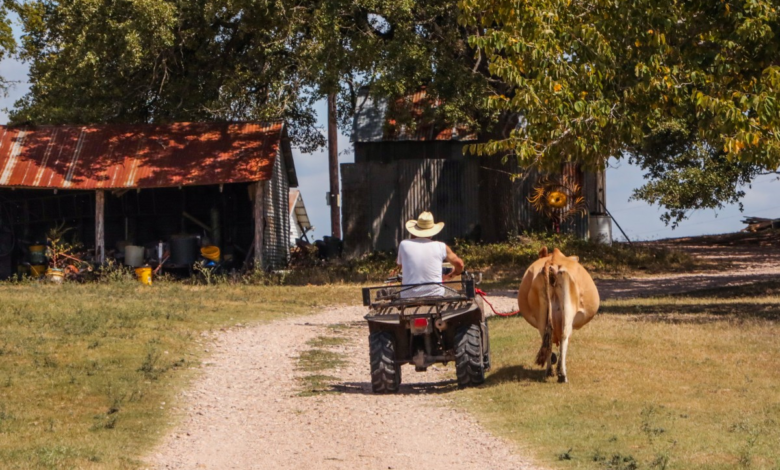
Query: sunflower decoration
pixel 558 198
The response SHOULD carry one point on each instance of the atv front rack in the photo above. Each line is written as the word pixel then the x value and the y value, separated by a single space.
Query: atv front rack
pixel 386 296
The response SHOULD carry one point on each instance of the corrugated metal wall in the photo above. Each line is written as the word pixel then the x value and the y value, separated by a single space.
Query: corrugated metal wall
pixel 474 197
pixel 276 238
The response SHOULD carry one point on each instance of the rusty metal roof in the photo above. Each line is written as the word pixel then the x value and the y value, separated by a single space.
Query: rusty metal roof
pixel 373 121
pixel 140 156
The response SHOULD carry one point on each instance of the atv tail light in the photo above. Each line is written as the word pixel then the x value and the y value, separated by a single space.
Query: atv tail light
pixel 420 322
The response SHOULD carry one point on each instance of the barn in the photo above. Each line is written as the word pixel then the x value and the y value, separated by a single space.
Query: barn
pixel 221 184
pixel 399 172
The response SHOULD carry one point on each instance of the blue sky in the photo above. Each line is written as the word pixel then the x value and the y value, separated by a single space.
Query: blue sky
pixel 639 220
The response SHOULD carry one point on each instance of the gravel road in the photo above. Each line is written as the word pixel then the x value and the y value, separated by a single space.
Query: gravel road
pixel 245 411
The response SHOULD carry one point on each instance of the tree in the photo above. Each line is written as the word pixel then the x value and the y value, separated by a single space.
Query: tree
pixel 7 42
pixel 148 60
pixel 597 79
pixel 544 80
pixel 164 60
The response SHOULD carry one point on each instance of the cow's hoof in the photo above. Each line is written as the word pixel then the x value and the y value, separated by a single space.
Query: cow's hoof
pixel 553 359
pixel 562 379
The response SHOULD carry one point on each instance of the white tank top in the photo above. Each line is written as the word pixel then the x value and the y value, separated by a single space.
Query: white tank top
pixel 421 259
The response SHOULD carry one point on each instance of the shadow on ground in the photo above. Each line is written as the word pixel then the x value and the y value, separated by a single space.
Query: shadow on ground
pixel 417 388
pixel 515 374
pixel 697 314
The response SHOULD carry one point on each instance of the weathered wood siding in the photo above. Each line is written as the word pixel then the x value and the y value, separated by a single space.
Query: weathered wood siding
pixel 474 197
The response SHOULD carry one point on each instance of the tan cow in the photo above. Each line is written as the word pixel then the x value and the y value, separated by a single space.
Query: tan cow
pixel 556 296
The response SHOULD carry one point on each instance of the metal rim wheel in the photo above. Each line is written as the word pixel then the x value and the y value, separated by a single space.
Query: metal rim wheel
pixel 385 373
pixel 469 363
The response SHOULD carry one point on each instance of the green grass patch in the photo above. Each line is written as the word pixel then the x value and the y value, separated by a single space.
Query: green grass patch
pixel 327 341
pixel 319 360
pixel 686 382
pixel 88 373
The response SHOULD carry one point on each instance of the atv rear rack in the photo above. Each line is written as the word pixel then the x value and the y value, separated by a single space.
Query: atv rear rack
pixel 389 296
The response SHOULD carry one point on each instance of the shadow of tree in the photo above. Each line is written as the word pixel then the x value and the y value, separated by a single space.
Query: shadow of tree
pixel 706 312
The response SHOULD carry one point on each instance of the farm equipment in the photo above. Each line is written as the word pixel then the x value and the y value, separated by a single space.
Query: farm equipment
pixel 426 330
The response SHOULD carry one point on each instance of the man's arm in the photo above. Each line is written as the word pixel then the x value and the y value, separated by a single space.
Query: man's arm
pixel 456 263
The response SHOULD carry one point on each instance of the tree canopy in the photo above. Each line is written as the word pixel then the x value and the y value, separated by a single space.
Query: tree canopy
pixel 7 42
pixel 687 90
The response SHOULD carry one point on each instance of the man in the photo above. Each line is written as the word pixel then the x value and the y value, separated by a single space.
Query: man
pixel 421 258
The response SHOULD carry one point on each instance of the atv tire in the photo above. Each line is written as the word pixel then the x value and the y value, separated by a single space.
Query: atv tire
pixel 469 359
pixel 385 373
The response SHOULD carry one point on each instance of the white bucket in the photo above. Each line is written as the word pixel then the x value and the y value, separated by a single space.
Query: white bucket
pixel 134 256
pixel 600 229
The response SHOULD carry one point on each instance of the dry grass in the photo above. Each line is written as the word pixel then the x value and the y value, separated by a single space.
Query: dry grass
pixel 88 372
pixel 683 382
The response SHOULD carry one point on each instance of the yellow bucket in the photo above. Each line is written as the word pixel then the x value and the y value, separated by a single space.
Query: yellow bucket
pixel 38 270
pixel 210 252
pixel 144 275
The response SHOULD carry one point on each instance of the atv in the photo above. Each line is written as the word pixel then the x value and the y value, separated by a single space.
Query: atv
pixel 426 330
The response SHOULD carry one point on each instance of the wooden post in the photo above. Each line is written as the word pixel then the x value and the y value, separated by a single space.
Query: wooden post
pixel 100 239
pixel 259 213
pixel 333 167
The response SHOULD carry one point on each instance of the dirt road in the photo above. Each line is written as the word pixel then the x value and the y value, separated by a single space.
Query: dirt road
pixel 246 412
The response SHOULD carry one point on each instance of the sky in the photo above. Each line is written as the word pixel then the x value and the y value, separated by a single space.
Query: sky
pixel 640 220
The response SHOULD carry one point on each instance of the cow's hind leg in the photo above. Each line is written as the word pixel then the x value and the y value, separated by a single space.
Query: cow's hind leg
pixel 562 362
pixel 569 311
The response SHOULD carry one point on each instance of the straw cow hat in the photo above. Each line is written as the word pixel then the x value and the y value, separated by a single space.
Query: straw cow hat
pixel 424 227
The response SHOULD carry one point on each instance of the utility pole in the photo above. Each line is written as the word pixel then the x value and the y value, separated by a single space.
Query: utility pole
pixel 333 165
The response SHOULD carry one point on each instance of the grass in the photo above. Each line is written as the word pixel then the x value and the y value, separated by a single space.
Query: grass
pixel 88 373
pixel 504 263
pixel 688 382
pixel 321 359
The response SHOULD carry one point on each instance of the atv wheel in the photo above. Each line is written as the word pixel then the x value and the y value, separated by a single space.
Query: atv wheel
pixel 468 356
pixel 385 373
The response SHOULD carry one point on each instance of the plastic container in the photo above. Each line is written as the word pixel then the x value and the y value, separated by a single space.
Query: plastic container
pixel 144 275
pixel 37 254
pixel 210 252
pixel 55 276
pixel 134 256
pixel 183 250
pixel 600 228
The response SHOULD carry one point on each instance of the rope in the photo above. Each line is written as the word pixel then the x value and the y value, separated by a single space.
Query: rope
pixel 483 294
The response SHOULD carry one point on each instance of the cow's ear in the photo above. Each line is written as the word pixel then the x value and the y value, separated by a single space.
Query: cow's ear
pixel 543 252
pixel 576 259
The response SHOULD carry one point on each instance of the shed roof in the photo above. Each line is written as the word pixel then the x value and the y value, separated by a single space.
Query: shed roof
pixel 141 156
pixel 298 210
pixel 373 121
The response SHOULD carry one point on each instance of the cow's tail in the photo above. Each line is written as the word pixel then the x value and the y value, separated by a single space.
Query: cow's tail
pixel 546 349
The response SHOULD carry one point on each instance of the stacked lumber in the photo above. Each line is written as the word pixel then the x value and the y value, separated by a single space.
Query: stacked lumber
pixel 757 224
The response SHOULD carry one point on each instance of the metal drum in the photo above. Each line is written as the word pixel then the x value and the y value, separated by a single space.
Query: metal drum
pixel 183 250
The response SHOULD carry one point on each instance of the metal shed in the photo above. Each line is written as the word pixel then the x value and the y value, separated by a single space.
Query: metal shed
pixel 112 182
pixel 399 172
